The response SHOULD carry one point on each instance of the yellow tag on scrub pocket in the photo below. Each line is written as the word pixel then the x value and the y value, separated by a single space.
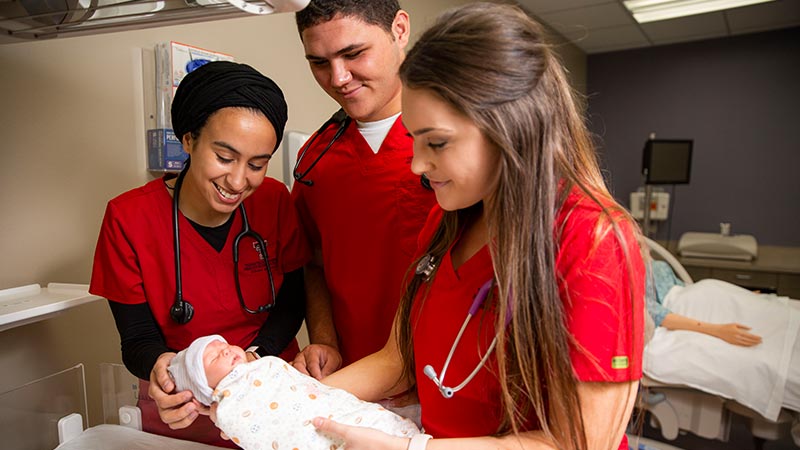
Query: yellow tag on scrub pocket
pixel 619 362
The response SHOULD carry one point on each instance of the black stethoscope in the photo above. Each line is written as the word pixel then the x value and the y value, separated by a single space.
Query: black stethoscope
pixel 425 268
pixel 182 311
pixel 339 117
pixel 343 120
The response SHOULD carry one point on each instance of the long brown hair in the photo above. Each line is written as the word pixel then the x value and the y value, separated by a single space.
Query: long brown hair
pixel 491 63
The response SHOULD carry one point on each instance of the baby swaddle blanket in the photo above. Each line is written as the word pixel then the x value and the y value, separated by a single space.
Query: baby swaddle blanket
pixel 267 404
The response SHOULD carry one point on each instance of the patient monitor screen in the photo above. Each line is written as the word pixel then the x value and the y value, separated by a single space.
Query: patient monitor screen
pixel 667 161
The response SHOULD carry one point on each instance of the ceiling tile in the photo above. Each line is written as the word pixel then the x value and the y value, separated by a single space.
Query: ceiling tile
pixel 627 36
pixel 537 7
pixel 703 26
pixel 764 16
pixel 612 48
pixel 575 34
pixel 592 17
pixel 570 31
pixel 605 25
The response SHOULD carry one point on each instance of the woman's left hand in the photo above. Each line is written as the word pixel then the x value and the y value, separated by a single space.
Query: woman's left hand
pixel 360 438
pixel 736 334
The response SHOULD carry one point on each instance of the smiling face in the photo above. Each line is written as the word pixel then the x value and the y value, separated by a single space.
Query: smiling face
pixel 356 64
pixel 219 358
pixel 461 164
pixel 229 161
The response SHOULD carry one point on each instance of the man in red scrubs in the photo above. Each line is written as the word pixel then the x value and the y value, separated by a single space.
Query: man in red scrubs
pixel 357 198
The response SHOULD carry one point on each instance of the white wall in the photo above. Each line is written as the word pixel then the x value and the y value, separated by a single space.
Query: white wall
pixel 72 135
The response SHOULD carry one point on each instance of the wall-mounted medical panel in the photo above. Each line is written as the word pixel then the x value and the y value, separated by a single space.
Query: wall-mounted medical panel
pixel 171 62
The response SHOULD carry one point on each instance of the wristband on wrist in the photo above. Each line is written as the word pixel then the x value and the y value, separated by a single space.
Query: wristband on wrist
pixel 419 441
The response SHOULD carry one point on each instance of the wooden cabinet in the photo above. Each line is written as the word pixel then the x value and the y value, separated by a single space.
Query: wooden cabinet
pixel 776 270
pixel 766 282
pixel 789 285
pixel 758 281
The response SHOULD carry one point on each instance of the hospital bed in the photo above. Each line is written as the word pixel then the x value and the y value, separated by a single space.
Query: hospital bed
pixel 676 408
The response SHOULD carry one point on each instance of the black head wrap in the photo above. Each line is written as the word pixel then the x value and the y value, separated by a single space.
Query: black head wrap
pixel 222 84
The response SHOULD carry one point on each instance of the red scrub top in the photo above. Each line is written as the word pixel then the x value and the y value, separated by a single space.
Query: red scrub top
pixel 364 211
pixel 598 314
pixel 134 262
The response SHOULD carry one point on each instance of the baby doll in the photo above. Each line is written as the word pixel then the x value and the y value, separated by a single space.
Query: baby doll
pixel 266 403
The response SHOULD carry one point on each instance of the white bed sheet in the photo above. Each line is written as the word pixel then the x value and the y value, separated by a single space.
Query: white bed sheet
pixel 754 376
pixel 791 396
pixel 117 437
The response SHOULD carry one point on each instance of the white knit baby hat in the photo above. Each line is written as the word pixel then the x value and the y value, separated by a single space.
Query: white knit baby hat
pixel 187 369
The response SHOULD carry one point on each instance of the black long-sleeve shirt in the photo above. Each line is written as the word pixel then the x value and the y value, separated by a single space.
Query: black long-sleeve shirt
pixel 142 342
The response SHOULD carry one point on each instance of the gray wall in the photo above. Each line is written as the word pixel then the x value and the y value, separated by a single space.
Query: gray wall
pixel 738 98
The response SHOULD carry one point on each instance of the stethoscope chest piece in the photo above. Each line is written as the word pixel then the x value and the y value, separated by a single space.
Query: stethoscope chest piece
pixel 426 265
pixel 182 312
pixel 430 372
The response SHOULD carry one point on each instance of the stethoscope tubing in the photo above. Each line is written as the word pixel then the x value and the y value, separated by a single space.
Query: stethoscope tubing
pixel 339 117
pixel 246 231
pixel 182 311
pixel 428 370
pixel 343 120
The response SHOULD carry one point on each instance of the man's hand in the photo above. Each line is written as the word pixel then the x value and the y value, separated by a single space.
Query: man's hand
pixel 318 360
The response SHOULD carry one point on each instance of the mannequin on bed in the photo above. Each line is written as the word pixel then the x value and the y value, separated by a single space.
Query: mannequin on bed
pixel 659 285
pixel 763 377
pixel 267 400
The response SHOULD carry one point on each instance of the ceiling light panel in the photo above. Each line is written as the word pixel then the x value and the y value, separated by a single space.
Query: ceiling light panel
pixel 653 10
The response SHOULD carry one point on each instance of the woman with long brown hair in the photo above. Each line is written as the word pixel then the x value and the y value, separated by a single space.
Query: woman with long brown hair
pixel 551 356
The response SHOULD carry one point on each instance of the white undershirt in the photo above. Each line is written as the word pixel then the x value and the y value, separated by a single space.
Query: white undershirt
pixel 375 132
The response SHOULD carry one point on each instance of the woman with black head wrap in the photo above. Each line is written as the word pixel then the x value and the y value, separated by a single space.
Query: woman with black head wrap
pixel 230 120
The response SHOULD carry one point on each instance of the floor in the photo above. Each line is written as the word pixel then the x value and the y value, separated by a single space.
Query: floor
pixel 739 439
